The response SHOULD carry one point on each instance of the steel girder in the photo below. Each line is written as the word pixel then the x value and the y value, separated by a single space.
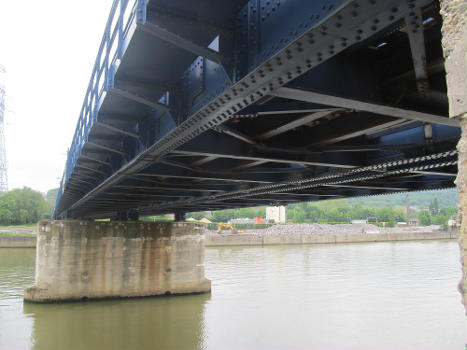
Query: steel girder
pixel 228 96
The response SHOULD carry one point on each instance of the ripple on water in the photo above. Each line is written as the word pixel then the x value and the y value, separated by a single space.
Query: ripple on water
pixel 350 296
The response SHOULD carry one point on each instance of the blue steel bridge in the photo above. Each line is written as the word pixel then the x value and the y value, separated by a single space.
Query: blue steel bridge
pixel 208 104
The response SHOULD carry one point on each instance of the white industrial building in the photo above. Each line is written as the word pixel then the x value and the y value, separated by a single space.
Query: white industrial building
pixel 276 214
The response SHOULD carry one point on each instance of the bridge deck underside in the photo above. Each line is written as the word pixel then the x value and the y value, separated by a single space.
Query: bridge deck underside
pixel 205 113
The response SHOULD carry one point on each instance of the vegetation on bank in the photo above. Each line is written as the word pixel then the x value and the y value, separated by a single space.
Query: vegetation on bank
pixel 227 214
pixel 51 198
pixel 16 234
pixel 22 206
pixel 26 206
pixel 421 200
pixel 342 211
pixel 432 209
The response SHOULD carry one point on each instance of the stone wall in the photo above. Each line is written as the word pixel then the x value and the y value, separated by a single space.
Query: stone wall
pixel 77 260
pixel 17 241
pixel 454 14
pixel 263 240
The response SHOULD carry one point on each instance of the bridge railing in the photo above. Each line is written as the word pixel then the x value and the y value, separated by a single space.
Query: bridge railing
pixel 122 16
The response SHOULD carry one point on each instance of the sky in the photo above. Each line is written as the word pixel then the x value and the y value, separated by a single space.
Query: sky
pixel 48 49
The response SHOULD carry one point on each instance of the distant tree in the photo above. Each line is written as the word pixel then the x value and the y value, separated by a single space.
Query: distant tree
pixel 337 215
pixel 22 206
pixel 424 218
pixel 197 215
pixel 223 215
pixel 449 211
pixel 447 197
pixel 300 215
pixel 314 213
pixel 434 207
pixel 51 198
pixel 153 218
pixel 226 215
pixel 386 214
pixel 400 214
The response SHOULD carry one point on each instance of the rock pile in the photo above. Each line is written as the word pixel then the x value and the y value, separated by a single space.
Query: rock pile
pixel 320 229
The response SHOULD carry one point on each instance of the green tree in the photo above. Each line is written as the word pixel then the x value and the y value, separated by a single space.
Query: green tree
pixel 223 215
pixel 197 215
pixel 300 215
pixel 51 198
pixel 337 215
pixel 424 218
pixel 314 213
pixel 22 206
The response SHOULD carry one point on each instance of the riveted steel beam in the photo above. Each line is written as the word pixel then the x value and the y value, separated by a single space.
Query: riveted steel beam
pixel 385 188
pixel 131 83
pixel 105 148
pixel 232 149
pixel 270 64
pixel 199 188
pixel 292 125
pixel 93 170
pixel 182 43
pixel 133 97
pixel 202 177
pixel 369 173
pixel 203 161
pixel 414 23
pixel 95 160
pixel 226 130
pixel 316 97
pixel 118 130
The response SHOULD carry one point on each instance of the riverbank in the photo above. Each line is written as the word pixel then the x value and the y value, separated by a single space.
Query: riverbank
pixel 325 234
pixel 17 241
pixel 290 234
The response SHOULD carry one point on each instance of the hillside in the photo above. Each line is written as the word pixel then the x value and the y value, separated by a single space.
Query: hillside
pixel 446 198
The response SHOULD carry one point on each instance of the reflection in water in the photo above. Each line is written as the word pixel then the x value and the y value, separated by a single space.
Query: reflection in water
pixel 170 322
pixel 398 295
pixel 16 273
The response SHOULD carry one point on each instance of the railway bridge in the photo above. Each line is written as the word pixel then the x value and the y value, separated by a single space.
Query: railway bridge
pixel 207 105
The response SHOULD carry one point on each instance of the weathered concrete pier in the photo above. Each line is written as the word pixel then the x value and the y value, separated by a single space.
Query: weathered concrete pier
pixel 455 53
pixel 79 260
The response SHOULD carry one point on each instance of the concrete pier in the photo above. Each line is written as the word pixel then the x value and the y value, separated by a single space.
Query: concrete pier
pixel 455 55
pixel 79 260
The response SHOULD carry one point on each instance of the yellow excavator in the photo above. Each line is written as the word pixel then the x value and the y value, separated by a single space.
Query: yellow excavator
pixel 230 227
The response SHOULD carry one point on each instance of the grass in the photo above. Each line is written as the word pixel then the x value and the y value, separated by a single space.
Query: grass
pixel 25 230
pixel 12 234
pixel 3 227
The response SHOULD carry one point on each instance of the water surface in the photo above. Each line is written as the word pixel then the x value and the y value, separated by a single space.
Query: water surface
pixel 390 295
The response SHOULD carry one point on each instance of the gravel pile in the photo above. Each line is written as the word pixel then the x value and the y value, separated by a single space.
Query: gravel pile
pixel 320 229
pixel 327 229
pixel 310 229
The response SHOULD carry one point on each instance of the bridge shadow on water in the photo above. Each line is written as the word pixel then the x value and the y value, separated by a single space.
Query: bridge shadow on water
pixel 153 322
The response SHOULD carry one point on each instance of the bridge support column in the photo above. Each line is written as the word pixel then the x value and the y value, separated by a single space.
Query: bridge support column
pixel 179 216
pixel 79 260
pixel 455 53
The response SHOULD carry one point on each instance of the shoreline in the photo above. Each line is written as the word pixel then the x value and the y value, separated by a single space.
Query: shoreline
pixel 17 241
pixel 250 239
pixel 258 239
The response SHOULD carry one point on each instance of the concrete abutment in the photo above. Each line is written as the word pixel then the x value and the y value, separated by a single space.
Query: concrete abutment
pixel 79 260
pixel 455 53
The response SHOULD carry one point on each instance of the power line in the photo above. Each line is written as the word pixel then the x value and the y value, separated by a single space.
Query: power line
pixel 3 164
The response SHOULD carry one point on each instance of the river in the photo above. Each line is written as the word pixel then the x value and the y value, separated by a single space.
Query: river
pixel 390 295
